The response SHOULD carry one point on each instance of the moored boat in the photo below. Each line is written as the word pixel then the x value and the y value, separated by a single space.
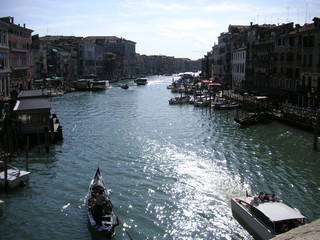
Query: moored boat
pixel 101 215
pixel 83 84
pixel 265 219
pixel 250 119
pixel 226 105
pixel 141 81
pixel 98 85
pixel 179 100
pixel 15 176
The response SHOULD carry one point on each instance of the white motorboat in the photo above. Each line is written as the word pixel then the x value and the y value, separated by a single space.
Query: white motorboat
pixel 15 176
pixel 265 219
pixel 179 100
pixel 99 85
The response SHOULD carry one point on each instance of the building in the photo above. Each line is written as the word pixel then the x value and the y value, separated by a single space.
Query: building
pixel 281 61
pixel 238 67
pixel 235 38
pixel 19 40
pixel 33 116
pixel 4 62
pixel 120 55
pixel 86 59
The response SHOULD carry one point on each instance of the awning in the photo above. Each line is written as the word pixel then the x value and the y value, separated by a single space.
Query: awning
pixel 53 78
pixel 215 84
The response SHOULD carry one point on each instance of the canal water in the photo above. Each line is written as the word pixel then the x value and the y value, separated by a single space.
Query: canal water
pixel 171 169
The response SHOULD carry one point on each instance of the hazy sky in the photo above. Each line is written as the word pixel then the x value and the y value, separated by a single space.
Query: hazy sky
pixel 179 28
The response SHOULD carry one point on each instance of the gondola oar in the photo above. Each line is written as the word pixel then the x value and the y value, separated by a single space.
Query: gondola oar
pixel 125 229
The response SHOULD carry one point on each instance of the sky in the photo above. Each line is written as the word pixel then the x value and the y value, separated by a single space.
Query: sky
pixel 177 28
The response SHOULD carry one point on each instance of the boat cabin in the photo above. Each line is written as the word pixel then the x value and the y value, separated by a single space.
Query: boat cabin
pixel 265 219
pixel 278 216
pixel 141 81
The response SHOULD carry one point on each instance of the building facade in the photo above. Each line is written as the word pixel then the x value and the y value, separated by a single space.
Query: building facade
pixel 238 67
pixel 281 61
pixel 4 61
pixel 19 40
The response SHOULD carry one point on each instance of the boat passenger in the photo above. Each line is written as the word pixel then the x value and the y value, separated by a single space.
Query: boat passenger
pixel 100 200
pixel 274 198
pixel 255 201
pixel 92 200
pixel 261 196
pixel 266 197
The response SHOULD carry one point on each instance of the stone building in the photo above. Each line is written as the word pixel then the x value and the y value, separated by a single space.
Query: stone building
pixel 282 61
pixel 266 37
pixel 120 55
pixel 206 65
pixel 4 62
pixel 238 67
pixel 63 63
pixel 223 52
pixel 86 59
pixel 19 41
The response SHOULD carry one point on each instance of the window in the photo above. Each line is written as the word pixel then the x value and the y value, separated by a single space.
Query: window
pixel 299 56
pixel 291 41
pixel 310 59
pixel 297 73
pixel 304 59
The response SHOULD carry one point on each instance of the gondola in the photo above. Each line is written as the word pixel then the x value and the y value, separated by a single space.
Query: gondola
pixel 250 119
pixel 102 217
pixel 124 86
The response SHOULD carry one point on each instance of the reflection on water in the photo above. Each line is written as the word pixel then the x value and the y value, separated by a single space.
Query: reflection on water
pixel 171 169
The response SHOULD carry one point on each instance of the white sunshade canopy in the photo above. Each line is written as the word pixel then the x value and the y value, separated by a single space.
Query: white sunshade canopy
pixel 278 211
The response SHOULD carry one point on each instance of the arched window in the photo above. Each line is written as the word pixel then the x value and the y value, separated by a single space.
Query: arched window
pixel 299 56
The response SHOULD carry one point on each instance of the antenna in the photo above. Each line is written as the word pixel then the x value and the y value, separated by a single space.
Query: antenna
pixel 305 20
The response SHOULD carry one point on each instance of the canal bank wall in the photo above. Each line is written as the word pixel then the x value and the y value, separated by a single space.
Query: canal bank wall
pixel 309 231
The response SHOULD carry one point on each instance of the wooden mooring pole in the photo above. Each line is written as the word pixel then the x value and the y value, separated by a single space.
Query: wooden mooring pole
pixel 316 131
pixel 27 154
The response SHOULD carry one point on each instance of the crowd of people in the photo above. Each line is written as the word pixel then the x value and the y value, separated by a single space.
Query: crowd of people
pixel 264 197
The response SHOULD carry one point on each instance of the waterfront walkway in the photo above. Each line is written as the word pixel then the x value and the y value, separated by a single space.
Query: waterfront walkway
pixel 301 117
